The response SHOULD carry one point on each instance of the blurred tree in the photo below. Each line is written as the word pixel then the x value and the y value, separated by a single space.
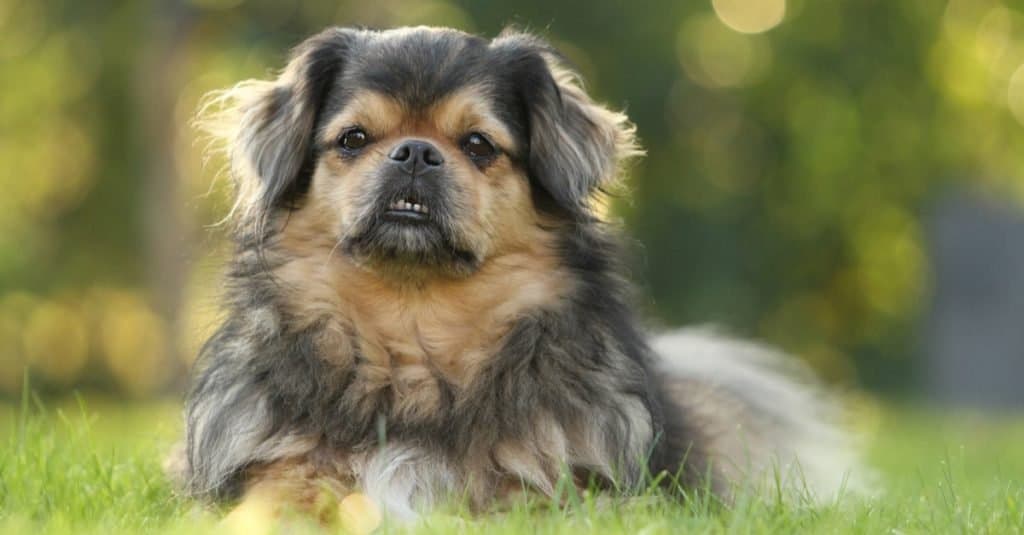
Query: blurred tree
pixel 791 145
pixel 160 84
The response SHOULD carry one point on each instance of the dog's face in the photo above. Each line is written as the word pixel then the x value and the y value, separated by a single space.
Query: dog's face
pixel 422 149
pixel 434 184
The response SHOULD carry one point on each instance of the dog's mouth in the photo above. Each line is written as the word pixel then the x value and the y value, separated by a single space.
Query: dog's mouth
pixel 411 230
pixel 409 208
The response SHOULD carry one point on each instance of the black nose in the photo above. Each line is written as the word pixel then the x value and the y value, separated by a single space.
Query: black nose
pixel 414 155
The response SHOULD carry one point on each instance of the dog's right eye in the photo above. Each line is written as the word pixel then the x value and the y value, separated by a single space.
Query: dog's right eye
pixel 478 147
pixel 354 139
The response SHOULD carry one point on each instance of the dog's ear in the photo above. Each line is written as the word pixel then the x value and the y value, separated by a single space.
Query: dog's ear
pixel 576 146
pixel 267 127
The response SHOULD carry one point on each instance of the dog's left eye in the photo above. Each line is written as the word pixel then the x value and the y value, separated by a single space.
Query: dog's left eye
pixel 478 147
pixel 354 139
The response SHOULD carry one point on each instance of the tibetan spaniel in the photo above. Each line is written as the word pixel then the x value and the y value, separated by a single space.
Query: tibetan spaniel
pixel 423 304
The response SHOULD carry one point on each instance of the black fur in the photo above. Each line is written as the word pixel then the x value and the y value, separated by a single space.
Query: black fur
pixel 260 378
pixel 285 165
pixel 558 360
pixel 566 156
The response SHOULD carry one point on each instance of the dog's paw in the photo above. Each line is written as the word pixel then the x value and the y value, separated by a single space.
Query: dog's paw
pixel 358 514
pixel 255 515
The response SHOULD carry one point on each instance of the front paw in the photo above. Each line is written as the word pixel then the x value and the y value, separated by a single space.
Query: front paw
pixel 358 514
pixel 263 513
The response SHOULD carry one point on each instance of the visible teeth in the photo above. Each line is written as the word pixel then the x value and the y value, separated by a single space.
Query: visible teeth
pixel 409 206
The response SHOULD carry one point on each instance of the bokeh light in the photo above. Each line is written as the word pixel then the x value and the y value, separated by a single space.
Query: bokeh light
pixel 750 16
pixel 794 149
pixel 1015 94
pixel 15 307
pixel 216 4
pixel 133 342
pixel 56 342
pixel 715 57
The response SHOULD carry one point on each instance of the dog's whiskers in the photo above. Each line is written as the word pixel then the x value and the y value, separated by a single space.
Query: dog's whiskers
pixel 331 252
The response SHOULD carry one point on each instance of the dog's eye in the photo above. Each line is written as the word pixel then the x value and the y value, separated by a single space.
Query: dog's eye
pixel 354 139
pixel 478 147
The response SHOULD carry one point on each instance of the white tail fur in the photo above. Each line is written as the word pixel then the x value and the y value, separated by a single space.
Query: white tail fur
pixel 767 419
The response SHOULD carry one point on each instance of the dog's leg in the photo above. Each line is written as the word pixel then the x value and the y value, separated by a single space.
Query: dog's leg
pixel 297 487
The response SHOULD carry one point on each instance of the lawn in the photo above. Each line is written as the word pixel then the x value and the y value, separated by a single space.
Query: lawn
pixel 93 466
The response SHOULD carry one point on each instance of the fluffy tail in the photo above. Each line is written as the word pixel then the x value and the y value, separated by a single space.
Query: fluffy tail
pixel 765 418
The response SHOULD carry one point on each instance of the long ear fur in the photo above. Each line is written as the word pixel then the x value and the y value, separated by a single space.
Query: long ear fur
pixel 267 127
pixel 576 145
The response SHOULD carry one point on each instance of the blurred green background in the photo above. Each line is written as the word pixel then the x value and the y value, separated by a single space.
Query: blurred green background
pixel 795 151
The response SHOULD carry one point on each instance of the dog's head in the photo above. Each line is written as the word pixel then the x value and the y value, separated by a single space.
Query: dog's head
pixel 420 148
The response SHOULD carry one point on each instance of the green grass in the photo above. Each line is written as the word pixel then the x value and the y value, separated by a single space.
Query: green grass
pixel 77 467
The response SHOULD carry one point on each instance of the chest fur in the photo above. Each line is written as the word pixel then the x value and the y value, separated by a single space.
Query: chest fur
pixel 403 330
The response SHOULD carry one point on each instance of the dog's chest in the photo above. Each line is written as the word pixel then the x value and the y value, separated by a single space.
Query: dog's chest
pixel 450 331
pixel 448 327
pixel 417 349
pixel 421 334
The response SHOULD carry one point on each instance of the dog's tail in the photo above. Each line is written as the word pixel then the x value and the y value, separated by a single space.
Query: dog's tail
pixel 765 419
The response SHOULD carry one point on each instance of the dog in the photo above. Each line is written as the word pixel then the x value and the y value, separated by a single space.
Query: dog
pixel 424 304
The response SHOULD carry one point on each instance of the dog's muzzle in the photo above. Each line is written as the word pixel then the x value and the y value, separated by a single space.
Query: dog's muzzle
pixel 415 172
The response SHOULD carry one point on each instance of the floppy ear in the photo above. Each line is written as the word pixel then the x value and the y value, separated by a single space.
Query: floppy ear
pixel 266 127
pixel 576 146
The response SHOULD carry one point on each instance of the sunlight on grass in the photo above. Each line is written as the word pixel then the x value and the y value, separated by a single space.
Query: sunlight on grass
pixel 93 466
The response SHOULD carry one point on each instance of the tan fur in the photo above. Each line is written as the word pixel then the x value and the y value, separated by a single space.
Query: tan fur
pixel 378 114
pixel 616 125
pixel 227 115
pixel 312 484
pixel 407 328
pixel 221 117
pixel 443 323
pixel 451 118
pixel 536 459
pixel 291 485
pixel 403 332
pixel 464 111
pixel 413 331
